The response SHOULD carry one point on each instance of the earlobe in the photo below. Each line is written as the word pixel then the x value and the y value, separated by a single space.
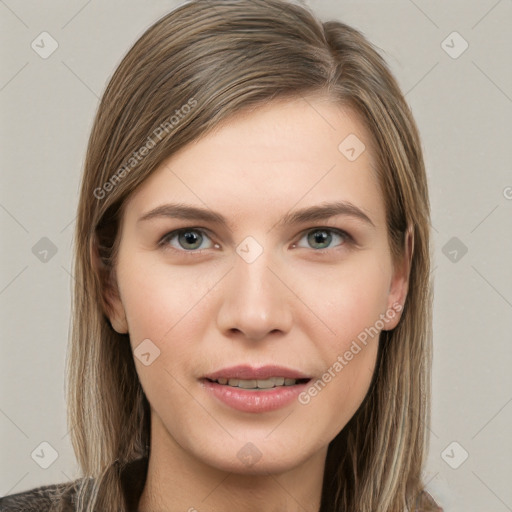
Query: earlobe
pixel 400 281
pixel 117 318
pixel 111 301
pixel 115 309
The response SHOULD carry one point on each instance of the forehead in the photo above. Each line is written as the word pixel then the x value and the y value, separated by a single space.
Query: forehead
pixel 287 153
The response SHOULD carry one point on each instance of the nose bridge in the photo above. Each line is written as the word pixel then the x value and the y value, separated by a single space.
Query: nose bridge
pixel 255 301
pixel 252 264
pixel 254 278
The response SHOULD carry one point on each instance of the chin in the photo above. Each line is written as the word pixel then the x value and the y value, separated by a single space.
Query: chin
pixel 256 457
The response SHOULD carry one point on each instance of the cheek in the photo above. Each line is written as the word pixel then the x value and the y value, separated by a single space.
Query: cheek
pixel 165 305
pixel 348 299
pixel 350 306
pixel 161 299
pixel 172 307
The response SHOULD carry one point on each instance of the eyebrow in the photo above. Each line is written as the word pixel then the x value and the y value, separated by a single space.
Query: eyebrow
pixel 310 214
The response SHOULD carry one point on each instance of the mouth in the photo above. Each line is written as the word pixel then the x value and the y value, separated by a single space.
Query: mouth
pixel 259 384
pixel 256 389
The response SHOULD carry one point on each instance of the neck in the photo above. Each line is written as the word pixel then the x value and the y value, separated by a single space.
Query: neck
pixel 177 481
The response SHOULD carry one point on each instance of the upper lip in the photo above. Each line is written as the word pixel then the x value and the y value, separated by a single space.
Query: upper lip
pixel 251 372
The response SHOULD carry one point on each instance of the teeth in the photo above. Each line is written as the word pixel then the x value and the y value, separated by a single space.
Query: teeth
pixel 246 384
pixel 269 383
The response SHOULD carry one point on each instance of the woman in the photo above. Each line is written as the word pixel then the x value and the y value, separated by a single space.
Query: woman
pixel 252 307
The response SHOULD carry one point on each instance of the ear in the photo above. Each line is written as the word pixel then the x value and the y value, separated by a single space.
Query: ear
pixel 399 285
pixel 111 300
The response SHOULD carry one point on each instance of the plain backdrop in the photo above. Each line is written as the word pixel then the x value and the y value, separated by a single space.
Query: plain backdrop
pixel 452 60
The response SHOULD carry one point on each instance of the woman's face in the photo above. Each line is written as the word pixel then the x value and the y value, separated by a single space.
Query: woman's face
pixel 260 285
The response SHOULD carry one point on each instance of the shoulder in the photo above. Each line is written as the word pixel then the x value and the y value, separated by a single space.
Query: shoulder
pixel 63 497
pixel 45 498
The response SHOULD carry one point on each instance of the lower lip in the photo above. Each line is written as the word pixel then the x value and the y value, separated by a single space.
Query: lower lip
pixel 254 401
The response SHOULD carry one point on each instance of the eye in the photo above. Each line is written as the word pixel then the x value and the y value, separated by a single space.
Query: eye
pixel 321 238
pixel 190 240
pixel 187 239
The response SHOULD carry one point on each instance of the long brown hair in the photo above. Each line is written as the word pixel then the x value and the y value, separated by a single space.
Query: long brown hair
pixel 192 69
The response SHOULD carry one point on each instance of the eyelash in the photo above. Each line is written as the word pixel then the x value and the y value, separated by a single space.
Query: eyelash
pixel 164 241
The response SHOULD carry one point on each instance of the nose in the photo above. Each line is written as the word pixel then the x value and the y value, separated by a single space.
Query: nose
pixel 256 301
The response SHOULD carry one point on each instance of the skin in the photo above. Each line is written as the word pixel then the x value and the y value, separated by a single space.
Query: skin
pixel 292 306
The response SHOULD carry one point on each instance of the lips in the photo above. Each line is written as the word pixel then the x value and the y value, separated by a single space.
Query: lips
pixel 255 390
pixel 264 378
pixel 246 372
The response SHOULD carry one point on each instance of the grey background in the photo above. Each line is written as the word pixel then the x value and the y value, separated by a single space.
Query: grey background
pixel 462 106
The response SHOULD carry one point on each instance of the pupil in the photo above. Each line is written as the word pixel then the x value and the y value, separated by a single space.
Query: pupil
pixel 190 237
pixel 321 237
